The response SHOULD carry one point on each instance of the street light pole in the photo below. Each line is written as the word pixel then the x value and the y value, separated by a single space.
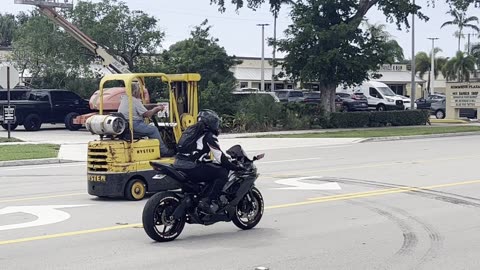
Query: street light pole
pixel 262 79
pixel 432 67
pixel 412 96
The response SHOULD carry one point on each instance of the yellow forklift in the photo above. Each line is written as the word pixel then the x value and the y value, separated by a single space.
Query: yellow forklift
pixel 118 163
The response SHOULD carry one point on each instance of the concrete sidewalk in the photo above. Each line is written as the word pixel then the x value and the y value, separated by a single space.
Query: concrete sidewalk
pixel 74 148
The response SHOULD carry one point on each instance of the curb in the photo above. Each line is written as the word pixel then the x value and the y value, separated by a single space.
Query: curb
pixel 28 162
pixel 399 138
pixel 449 121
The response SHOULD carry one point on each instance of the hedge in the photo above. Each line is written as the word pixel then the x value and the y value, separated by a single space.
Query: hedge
pixel 379 119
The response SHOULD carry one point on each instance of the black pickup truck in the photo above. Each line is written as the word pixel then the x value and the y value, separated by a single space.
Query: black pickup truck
pixel 36 106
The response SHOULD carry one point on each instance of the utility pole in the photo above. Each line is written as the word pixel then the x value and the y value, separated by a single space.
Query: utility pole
pixel 468 44
pixel 262 79
pixel 432 67
pixel 412 96
pixel 272 87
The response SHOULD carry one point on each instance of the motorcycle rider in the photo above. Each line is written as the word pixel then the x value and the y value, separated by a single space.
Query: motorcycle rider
pixel 197 162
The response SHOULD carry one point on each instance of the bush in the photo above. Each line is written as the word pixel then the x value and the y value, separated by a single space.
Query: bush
pixel 379 119
pixel 350 120
pixel 302 116
pixel 256 113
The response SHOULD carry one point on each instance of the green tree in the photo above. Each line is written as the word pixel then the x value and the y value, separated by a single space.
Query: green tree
pixel 8 25
pixel 461 20
pixel 54 57
pixel 459 67
pixel 44 50
pixel 125 33
pixel 475 52
pixel 201 54
pixel 423 63
pixel 325 43
pixel 395 54
pixel 365 5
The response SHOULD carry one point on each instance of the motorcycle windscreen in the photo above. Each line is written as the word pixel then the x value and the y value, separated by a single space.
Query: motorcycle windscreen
pixel 237 152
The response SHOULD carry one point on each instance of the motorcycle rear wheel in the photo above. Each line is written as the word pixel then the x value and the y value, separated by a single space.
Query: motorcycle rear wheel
pixel 157 218
pixel 249 210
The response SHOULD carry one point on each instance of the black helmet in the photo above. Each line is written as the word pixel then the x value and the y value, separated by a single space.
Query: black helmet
pixel 210 119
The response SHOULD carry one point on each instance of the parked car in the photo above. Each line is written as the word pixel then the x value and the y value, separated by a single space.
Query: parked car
pixel 379 96
pixel 426 103
pixel 311 97
pixel 246 94
pixel 438 109
pixel 289 95
pixel 351 102
pixel 33 107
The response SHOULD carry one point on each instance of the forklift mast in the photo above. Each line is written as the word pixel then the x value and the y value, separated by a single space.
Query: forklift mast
pixel 47 8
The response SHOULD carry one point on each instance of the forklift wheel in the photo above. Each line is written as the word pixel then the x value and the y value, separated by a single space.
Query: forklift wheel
pixel 135 190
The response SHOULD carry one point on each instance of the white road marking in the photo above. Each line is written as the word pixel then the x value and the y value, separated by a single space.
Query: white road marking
pixel 296 184
pixel 46 214
pixel 50 166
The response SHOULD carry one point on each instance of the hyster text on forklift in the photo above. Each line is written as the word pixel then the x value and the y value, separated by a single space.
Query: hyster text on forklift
pixel 118 163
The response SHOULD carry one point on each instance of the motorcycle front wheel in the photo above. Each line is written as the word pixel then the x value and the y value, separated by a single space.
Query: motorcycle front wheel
pixel 249 210
pixel 158 220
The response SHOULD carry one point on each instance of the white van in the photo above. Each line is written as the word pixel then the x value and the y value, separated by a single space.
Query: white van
pixel 380 97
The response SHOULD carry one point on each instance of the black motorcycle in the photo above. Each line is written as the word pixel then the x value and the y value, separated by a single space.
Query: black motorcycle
pixel 165 213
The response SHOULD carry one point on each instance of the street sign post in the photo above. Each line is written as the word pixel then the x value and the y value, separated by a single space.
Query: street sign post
pixel 9 114
pixel 8 78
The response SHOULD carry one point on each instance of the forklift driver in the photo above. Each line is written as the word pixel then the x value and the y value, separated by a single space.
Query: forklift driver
pixel 139 112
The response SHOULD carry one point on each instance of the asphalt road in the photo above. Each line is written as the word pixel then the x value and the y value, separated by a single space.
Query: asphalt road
pixel 410 204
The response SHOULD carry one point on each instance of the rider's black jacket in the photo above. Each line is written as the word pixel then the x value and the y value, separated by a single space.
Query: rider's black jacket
pixel 206 144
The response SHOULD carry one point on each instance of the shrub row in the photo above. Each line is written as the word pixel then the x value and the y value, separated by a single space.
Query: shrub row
pixel 379 119
pixel 262 114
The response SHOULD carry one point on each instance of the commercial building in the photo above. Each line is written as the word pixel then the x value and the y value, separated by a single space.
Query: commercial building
pixel 248 75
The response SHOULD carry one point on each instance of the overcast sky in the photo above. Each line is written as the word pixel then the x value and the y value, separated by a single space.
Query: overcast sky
pixel 240 36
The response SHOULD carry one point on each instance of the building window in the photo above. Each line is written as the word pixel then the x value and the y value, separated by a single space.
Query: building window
pixel 399 89
pixel 243 84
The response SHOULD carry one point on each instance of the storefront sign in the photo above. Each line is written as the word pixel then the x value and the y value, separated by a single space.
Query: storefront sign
pixel 461 96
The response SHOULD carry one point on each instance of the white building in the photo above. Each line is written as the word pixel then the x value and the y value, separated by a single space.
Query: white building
pixel 248 75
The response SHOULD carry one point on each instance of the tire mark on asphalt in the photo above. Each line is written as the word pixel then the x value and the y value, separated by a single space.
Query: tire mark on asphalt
pixel 435 237
pixel 405 221
pixel 410 238
pixel 426 193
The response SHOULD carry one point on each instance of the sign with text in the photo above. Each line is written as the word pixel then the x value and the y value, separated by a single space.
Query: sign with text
pixel 9 114
pixel 465 99
pixel 394 67
pixel 461 96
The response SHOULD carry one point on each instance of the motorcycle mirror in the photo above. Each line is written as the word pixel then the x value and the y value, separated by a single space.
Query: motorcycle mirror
pixel 258 157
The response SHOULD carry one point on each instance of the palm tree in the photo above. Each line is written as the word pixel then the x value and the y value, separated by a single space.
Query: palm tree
pixel 475 53
pixel 391 45
pixel 461 20
pixel 460 67
pixel 423 63
pixel 275 8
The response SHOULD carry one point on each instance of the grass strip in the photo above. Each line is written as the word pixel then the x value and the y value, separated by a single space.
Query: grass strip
pixel 28 151
pixel 383 132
